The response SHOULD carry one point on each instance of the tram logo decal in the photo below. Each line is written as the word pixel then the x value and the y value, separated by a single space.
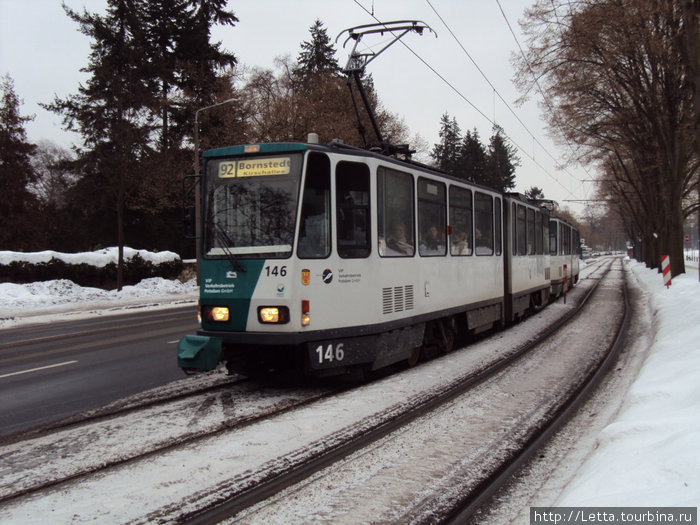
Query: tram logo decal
pixel 327 275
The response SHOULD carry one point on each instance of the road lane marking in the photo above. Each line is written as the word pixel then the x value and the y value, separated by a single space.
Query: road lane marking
pixel 58 337
pixel 37 369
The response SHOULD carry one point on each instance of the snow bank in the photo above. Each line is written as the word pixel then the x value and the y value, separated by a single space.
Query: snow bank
pixel 649 455
pixel 20 303
pixel 98 258
pixel 21 297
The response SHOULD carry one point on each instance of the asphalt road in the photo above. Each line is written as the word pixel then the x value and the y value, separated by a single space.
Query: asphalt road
pixel 51 371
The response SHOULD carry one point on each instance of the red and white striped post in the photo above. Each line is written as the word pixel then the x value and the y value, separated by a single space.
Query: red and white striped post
pixel 666 269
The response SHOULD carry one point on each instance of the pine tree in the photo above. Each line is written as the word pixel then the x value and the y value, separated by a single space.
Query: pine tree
pixel 317 56
pixel 151 66
pixel 182 66
pixel 501 162
pixel 447 152
pixel 108 110
pixel 18 206
pixel 184 72
pixel 473 158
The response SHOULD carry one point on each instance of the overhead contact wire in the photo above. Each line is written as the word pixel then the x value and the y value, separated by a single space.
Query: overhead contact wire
pixel 542 93
pixel 525 127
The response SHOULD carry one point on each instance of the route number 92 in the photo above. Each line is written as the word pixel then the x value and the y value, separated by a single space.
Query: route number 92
pixel 330 353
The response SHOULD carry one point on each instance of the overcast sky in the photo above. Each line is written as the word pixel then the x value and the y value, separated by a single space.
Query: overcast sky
pixel 42 51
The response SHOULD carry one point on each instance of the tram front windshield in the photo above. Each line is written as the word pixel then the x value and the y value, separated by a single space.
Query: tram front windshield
pixel 250 206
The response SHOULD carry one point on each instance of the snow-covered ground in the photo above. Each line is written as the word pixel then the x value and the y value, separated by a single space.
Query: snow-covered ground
pixel 52 300
pixel 647 456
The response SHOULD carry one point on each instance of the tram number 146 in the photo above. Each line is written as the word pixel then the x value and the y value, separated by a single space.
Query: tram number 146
pixel 330 353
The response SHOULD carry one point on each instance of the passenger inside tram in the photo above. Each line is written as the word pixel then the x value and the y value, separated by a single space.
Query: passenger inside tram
pixel 484 243
pixel 460 243
pixel 398 240
pixel 433 242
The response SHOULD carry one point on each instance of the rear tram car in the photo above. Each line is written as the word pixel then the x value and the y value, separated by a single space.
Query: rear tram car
pixel 527 259
pixel 333 259
pixel 564 249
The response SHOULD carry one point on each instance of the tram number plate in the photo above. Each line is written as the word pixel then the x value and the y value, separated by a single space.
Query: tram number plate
pixel 329 353
pixel 342 352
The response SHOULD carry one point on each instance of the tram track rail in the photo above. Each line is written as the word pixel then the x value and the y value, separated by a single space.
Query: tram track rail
pixel 62 436
pixel 490 486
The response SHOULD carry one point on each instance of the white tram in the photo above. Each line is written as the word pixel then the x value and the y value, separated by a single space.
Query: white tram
pixel 331 258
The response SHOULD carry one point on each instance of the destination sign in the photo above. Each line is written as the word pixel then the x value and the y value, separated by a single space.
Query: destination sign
pixel 255 167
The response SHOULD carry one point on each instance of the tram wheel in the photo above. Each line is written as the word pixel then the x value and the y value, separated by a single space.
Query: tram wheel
pixel 414 357
pixel 447 329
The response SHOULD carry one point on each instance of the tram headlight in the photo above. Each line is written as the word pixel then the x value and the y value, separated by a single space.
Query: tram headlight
pixel 273 314
pixel 218 314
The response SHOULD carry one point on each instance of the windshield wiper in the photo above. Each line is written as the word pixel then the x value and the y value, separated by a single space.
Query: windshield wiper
pixel 226 241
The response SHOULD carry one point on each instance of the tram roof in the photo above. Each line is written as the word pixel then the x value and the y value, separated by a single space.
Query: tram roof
pixel 340 147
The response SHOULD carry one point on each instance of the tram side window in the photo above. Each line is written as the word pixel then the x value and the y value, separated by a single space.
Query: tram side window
pixel 314 229
pixel 538 233
pixel 522 228
pixel 431 218
pixel 561 239
pixel 483 222
pixel 352 210
pixel 530 231
pixel 395 216
pixel 545 233
pixel 553 237
pixel 461 221
pixel 497 230
pixel 565 234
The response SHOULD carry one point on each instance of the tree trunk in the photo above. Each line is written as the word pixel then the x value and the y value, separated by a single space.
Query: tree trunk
pixel 165 143
pixel 120 233
pixel 692 23
pixel 649 251
pixel 674 242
